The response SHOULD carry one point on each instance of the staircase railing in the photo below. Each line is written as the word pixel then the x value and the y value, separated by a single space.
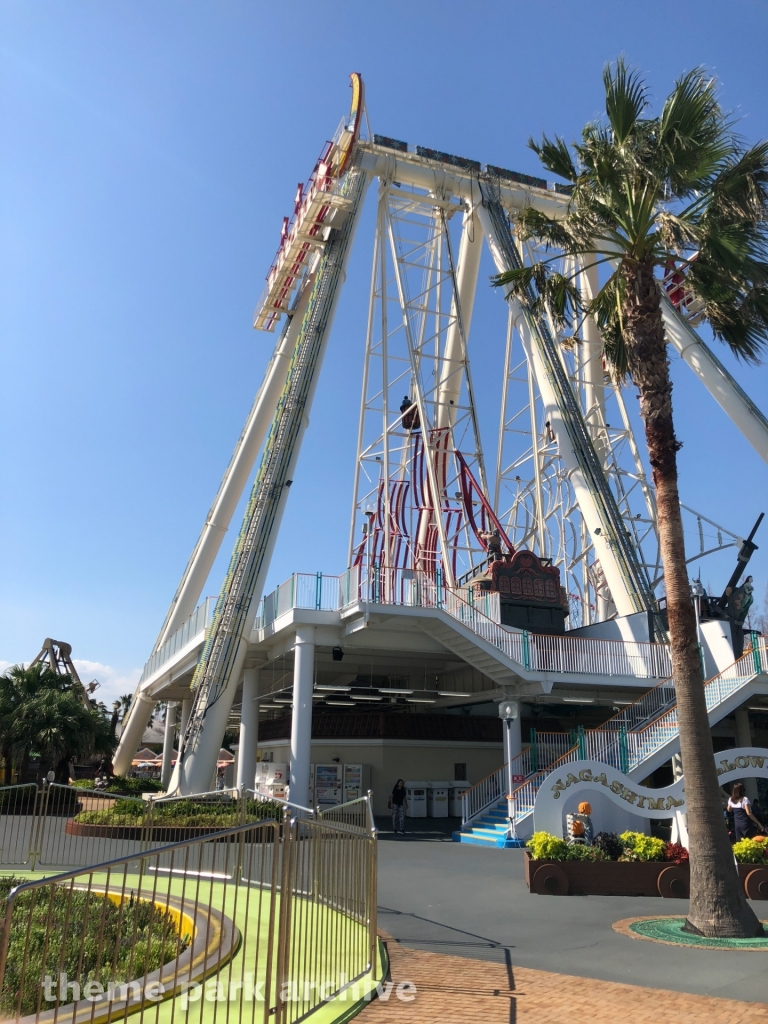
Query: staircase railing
pixel 628 739
pixel 483 794
pixel 545 749
pixel 534 651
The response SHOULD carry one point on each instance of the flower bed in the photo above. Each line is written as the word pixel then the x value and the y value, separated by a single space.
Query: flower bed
pixel 631 864
pixel 168 822
pixel 65 922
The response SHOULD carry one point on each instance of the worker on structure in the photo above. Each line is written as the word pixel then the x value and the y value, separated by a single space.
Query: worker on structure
pixel 493 543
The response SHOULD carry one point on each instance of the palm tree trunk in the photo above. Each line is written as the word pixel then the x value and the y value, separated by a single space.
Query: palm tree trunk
pixel 718 904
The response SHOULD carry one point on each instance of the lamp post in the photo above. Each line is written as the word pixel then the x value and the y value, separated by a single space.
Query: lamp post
pixel 697 592
pixel 509 711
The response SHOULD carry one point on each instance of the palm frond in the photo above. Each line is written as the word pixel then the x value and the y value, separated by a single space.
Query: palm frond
pixel 740 189
pixel 555 156
pixel 518 281
pixel 605 309
pixel 626 97
pixel 741 321
pixel 694 136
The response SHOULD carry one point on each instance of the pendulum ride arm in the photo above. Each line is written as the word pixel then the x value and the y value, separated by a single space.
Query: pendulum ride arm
pixel 238 472
pixel 218 672
pixel 624 573
pixel 217 521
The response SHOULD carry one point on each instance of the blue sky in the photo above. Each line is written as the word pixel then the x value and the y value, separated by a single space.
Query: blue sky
pixel 150 152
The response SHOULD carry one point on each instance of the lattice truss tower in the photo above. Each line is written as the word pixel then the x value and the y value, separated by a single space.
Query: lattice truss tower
pixel 419 433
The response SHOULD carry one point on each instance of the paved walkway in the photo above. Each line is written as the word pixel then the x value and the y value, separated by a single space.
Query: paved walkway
pixel 454 990
pixel 473 904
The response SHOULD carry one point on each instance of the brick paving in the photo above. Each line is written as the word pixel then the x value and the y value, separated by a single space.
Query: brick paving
pixel 454 990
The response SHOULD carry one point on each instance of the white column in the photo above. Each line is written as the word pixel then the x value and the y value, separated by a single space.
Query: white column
pixel 452 368
pixel 301 724
pixel 738 406
pixel 515 738
pixel 168 737
pixel 744 739
pixel 134 725
pixel 186 711
pixel 249 730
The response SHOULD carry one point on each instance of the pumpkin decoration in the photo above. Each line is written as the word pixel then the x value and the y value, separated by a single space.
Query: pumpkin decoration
pixel 577 828
pixel 585 808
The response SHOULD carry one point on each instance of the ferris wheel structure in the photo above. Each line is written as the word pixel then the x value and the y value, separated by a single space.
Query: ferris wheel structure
pixel 563 475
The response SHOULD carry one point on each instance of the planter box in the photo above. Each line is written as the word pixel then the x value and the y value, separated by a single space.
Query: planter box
pixel 606 878
pixel 620 878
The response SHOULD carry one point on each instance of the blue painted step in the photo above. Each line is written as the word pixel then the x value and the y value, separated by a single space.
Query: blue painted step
pixel 490 829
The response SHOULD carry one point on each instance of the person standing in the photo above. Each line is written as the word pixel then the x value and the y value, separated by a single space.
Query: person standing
pixel 399 805
pixel 744 822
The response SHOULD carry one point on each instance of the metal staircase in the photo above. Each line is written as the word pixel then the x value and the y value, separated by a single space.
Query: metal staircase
pixel 636 741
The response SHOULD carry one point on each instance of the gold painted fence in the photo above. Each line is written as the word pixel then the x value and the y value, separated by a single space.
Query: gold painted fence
pixel 264 921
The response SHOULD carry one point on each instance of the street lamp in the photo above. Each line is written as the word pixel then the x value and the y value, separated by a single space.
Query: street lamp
pixel 509 711
pixel 697 592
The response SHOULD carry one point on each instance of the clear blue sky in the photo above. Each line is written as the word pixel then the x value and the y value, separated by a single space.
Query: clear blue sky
pixel 149 153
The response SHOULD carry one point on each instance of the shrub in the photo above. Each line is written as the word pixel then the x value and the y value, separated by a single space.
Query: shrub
pixel 134 787
pixel 125 787
pixel 219 814
pixel 609 844
pixel 749 851
pixel 544 846
pixel 676 853
pixel 83 935
pixel 580 852
pixel 638 846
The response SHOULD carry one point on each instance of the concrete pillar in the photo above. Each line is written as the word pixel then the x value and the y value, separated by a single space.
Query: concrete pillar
pixel 301 724
pixel 515 737
pixel 168 738
pixel 249 730
pixel 133 729
pixel 744 739
pixel 186 711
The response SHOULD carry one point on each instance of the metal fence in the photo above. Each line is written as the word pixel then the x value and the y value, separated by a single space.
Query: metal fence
pixel 354 814
pixel 534 651
pixel 192 627
pixel 65 826
pixel 261 922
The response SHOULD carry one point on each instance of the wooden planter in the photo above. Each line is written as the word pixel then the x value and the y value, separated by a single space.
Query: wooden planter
pixel 606 878
pixel 627 878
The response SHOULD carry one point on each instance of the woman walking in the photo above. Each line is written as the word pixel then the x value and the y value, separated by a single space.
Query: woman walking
pixel 745 824
pixel 399 805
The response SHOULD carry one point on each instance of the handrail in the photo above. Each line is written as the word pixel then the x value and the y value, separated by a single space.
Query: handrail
pixel 627 747
pixel 196 623
pixel 362 802
pixel 625 740
pixel 279 800
pixel 534 651
pixel 536 756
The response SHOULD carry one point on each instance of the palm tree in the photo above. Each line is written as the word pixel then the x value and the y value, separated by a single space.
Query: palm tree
pixel 44 711
pixel 119 711
pixel 676 191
